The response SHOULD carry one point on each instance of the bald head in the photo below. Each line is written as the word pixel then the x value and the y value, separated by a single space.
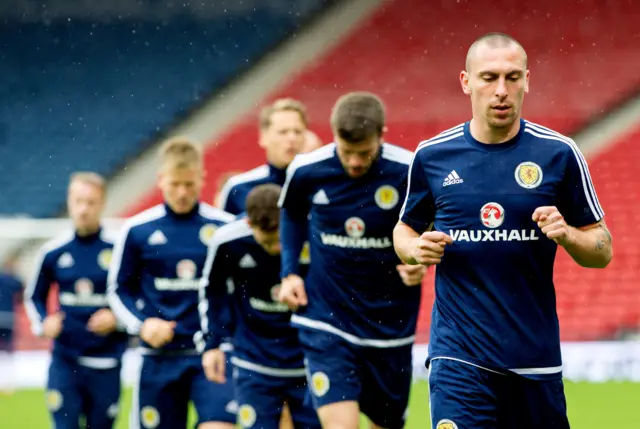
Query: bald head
pixel 492 41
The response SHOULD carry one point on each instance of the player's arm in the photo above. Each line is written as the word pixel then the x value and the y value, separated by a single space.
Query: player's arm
pixel 577 223
pixel 216 316
pixel 294 226
pixel 35 298
pixel 413 238
pixel 227 200
pixel 123 282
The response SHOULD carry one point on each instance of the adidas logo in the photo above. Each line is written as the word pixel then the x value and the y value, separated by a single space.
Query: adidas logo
pixel 247 262
pixel 452 179
pixel 157 238
pixel 320 198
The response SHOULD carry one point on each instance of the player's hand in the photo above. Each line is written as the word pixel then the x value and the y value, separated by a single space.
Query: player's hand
pixel 411 275
pixel 292 292
pixel 552 224
pixel 157 332
pixel 102 322
pixel 428 249
pixel 52 325
pixel 213 362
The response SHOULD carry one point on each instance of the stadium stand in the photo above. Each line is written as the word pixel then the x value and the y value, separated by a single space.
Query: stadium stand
pixel 413 61
pixel 86 94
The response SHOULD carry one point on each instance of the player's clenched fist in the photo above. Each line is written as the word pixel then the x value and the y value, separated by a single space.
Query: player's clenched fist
pixel 428 249
pixel 102 322
pixel 157 332
pixel 213 363
pixel 52 325
pixel 292 292
pixel 411 275
pixel 552 224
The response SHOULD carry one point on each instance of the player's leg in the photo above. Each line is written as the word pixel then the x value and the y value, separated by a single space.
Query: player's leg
pixel 103 394
pixel 260 399
pixel 160 400
pixel 286 421
pixel 63 398
pixel 303 414
pixel 386 384
pixel 463 395
pixel 334 378
pixel 215 403
pixel 532 404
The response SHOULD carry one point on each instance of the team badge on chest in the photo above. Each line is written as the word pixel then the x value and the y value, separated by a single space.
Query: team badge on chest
pixel 528 175
pixel 206 233
pixel 386 197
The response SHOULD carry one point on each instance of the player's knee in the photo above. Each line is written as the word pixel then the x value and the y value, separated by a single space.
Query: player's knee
pixel 216 425
pixel 341 415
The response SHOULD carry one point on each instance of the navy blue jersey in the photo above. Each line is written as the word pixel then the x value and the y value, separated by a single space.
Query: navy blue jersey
pixel 78 265
pixel 262 332
pixel 353 287
pixel 10 287
pixel 495 300
pixel 234 193
pixel 157 266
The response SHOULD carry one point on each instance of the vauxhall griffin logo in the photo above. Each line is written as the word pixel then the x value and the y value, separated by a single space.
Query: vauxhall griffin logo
pixel 492 215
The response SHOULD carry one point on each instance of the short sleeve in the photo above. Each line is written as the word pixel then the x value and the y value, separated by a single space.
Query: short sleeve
pixel 418 210
pixel 578 201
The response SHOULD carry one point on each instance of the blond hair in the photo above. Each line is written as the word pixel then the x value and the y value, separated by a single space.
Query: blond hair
pixel 90 178
pixel 282 105
pixel 181 152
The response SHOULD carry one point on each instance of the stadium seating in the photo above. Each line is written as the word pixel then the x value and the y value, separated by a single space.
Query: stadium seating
pixel 80 94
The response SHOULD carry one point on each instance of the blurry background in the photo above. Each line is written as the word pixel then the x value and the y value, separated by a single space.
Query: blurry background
pixel 89 85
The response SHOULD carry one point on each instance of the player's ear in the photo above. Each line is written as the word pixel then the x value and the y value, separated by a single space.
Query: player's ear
pixel 464 82
pixel 526 81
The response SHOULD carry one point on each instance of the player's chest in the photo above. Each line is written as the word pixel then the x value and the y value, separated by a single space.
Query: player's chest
pixel 82 270
pixel 487 185
pixel 167 245
pixel 358 208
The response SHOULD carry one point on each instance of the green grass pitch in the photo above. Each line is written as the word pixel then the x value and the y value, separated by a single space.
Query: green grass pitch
pixel 591 406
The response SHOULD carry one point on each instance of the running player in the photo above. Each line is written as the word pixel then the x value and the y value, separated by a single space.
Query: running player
pixel 153 290
pixel 489 202
pixel 355 314
pixel 268 359
pixel 84 374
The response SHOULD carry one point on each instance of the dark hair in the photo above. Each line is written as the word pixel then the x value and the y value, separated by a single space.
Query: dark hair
pixel 358 116
pixel 262 207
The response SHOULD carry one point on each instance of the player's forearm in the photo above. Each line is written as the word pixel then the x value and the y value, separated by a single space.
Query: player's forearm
pixel 403 242
pixel 591 248
pixel 293 233
pixel 125 310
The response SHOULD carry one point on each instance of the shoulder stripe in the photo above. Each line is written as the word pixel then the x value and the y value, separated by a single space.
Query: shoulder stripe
pixel 397 154
pixel 440 138
pixel 231 231
pixel 579 157
pixel 213 213
pixel 257 173
pixel 146 216
pixel 321 154
pixel 587 185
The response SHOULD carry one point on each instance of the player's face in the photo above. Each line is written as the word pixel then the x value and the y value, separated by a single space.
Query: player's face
pixel 284 138
pixel 85 202
pixel 496 81
pixel 181 187
pixel 269 240
pixel 357 158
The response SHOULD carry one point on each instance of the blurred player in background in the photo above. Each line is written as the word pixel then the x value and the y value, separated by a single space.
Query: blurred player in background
pixel 283 134
pixel 153 290
pixel 501 194
pixel 84 375
pixel 355 312
pixel 10 293
pixel 268 359
pixel 311 142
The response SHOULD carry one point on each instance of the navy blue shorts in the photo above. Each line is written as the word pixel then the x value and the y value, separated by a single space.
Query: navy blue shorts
pixel 465 396
pixel 379 379
pixel 75 392
pixel 166 385
pixel 261 397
